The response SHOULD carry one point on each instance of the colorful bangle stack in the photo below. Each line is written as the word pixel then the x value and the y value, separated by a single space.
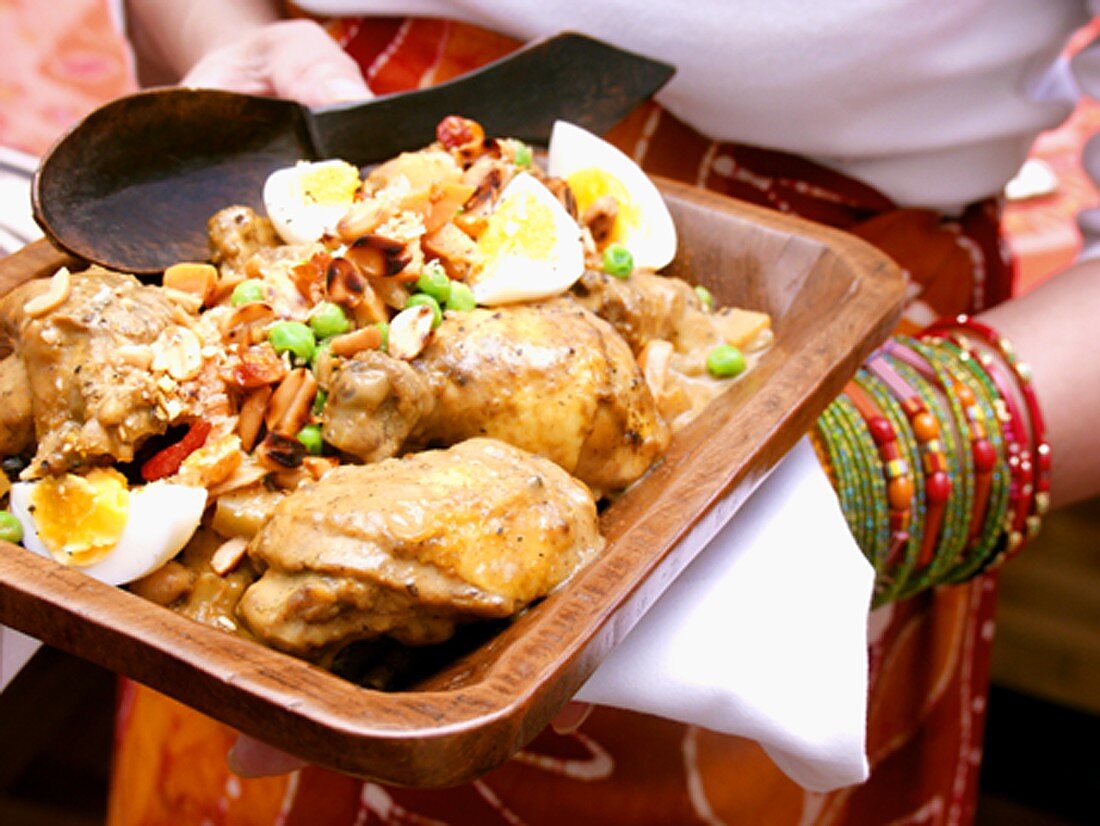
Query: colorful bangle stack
pixel 938 452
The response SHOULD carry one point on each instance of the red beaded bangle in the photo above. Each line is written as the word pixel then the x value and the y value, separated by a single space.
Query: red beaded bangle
pixel 1029 454
pixel 1041 445
pixel 982 452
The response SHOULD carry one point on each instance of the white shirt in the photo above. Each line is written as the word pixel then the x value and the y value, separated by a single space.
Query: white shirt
pixel 933 102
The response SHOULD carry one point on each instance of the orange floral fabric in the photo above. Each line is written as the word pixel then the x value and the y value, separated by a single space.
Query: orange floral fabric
pixel 54 74
pixel 929 655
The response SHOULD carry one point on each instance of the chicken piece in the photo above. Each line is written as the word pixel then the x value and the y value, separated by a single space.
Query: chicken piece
pixel 90 393
pixel 410 547
pixel 671 332
pixel 551 378
pixel 647 306
pixel 236 234
pixel 16 416
pixel 374 402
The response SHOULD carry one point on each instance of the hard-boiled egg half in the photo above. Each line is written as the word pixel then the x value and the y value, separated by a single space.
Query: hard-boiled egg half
pixel 594 168
pixel 97 524
pixel 307 200
pixel 531 247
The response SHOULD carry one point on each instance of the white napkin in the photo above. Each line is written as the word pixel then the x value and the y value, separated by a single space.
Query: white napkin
pixel 764 635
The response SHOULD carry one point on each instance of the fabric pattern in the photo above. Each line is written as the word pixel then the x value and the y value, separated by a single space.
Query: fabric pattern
pixel 929 655
pixel 54 74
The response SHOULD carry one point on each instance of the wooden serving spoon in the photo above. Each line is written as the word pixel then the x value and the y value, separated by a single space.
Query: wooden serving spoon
pixel 132 185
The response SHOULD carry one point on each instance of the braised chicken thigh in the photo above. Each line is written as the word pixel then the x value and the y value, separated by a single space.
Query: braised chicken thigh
pixel 88 389
pixel 408 547
pixel 551 378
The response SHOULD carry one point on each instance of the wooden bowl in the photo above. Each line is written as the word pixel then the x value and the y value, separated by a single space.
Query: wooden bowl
pixel 832 298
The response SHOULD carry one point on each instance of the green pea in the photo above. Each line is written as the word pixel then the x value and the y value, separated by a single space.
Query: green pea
pixel 328 320
pixel 11 529
pixel 705 298
pixel 618 261
pixel 293 337
pixel 384 329
pixel 433 281
pixel 247 292
pixel 725 361
pixel 523 156
pixel 310 436
pixel 319 401
pixel 461 298
pixel 427 301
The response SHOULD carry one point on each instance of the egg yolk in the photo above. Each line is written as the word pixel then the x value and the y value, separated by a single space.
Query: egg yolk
pixel 519 226
pixel 589 185
pixel 330 184
pixel 81 518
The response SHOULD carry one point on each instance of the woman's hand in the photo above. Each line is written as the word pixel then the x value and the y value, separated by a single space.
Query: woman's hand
pixel 293 59
pixel 241 46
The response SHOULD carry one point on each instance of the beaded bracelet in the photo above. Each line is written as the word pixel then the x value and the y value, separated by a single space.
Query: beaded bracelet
pixel 938 451
pixel 998 519
pixel 865 449
pixel 1040 447
pixel 954 536
pixel 886 420
pixel 929 433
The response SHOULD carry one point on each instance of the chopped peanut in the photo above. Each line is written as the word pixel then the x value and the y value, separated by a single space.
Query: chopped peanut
pixel 365 338
pixel 251 417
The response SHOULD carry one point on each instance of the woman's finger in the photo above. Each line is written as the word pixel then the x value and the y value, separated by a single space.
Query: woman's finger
pixel 308 66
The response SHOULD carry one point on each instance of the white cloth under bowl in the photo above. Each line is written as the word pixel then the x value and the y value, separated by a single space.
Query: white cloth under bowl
pixel 764 635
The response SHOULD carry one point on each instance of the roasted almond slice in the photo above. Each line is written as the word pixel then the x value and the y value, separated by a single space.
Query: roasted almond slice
pixel 409 332
pixel 278 453
pixel 228 555
pixel 56 294
pixel 238 325
pixel 363 217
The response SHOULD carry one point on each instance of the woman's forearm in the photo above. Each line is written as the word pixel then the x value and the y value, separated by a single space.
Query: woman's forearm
pixel 1055 330
pixel 173 35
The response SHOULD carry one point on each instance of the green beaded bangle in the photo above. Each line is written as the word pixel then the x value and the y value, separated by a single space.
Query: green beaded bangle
pixel 976 557
pixel 952 532
pixel 892 580
pixel 876 512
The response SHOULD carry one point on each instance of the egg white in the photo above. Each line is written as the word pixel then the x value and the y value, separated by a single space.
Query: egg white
pixel 296 219
pixel 509 278
pixel 572 149
pixel 162 518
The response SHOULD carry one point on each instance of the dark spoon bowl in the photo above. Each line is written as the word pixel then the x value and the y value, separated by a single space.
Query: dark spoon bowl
pixel 132 186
